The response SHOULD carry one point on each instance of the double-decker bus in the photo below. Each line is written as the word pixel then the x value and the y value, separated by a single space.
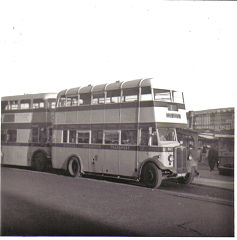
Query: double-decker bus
pixel 26 130
pixel 123 129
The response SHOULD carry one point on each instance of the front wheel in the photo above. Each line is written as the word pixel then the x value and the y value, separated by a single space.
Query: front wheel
pixel 151 175
pixel 188 178
pixel 74 168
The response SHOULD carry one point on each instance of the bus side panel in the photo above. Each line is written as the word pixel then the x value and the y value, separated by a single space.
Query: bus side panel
pixel 96 159
pixel 147 114
pixel 111 162
pixel 50 116
pixel 112 116
pixel 71 117
pixel 23 117
pixel 15 155
pixel 127 163
pixel 83 117
pixel 39 117
pixel 97 116
pixel 60 117
pixel 61 155
pixel 128 115
pixel 144 155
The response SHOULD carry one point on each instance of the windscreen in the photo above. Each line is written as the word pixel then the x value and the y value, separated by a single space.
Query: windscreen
pixel 167 134
pixel 178 97
pixel 162 95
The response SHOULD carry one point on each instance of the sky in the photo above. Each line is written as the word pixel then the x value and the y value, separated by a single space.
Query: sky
pixel 189 46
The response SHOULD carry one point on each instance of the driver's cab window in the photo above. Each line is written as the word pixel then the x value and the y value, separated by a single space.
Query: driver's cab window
pixel 154 141
pixel 167 134
pixel 144 137
pixel 148 137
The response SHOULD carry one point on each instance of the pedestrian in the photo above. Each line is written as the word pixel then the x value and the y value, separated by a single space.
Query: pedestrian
pixel 204 153
pixel 212 157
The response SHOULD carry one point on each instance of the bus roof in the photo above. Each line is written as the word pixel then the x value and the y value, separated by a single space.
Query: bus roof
pixel 106 87
pixel 30 96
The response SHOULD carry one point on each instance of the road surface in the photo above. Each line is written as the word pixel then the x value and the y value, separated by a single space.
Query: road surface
pixel 49 204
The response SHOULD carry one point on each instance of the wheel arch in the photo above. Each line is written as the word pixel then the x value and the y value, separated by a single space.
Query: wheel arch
pixel 38 151
pixel 149 160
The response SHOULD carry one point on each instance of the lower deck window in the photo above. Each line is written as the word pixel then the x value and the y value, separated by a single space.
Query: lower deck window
pixel 129 137
pixel 144 137
pixel 43 135
pixel 97 136
pixel 111 137
pixel 83 137
pixel 3 136
pixel 35 134
pixel 65 133
pixel 72 136
pixel 11 135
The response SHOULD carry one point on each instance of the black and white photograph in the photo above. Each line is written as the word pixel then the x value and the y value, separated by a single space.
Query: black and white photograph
pixel 117 118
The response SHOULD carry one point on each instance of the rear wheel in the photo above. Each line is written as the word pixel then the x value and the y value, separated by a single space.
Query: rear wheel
pixel 40 162
pixel 188 178
pixel 74 168
pixel 151 175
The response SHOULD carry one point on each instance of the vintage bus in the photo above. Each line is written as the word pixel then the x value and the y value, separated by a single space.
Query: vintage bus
pixel 124 130
pixel 26 130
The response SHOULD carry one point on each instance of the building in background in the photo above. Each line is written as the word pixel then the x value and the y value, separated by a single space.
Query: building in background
pixel 213 120
pixel 215 127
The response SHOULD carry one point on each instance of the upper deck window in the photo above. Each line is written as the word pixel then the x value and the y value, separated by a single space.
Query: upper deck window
pixel 38 103
pixel 25 104
pixel 13 105
pixel 146 94
pixel 113 96
pixel 51 103
pixel 130 95
pixel 4 105
pixel 62 101
pixel 98 98
pixel 72 101
pixel 85 99
pixel 162 95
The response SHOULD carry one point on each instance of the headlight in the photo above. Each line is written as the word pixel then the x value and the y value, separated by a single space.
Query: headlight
pixel 171 158
pixel 190 157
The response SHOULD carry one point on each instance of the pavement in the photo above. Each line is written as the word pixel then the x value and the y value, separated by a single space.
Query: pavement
pixel 213 178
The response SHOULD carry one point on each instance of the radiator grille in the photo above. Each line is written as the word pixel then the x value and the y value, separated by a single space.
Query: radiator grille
pixel 181 159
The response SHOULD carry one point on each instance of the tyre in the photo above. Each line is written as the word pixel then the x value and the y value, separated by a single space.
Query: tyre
pixel 188 178
pixel 74 168
pixel 151 175
pixel 40 162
